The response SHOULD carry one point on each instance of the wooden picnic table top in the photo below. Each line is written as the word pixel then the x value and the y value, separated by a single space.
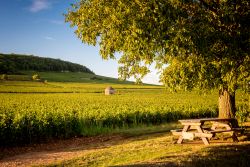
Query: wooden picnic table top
pixel 202 120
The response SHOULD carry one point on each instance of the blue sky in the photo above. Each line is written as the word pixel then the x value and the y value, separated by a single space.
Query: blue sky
pixel 37 27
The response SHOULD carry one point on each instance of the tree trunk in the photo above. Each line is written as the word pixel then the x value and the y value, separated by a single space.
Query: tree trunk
pixel 227 107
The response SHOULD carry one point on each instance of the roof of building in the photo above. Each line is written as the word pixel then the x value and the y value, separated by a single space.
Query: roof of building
pixel 109 88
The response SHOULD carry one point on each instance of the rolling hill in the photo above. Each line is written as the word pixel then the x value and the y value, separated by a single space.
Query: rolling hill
pixel 14 63
pixel 15 67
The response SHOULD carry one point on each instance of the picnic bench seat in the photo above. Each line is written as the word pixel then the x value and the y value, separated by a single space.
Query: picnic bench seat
pixel 178 132
pixel 190 135
pixel 240 130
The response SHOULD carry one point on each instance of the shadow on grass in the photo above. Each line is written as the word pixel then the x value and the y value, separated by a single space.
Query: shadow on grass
pixel 229 155
pixel 215 156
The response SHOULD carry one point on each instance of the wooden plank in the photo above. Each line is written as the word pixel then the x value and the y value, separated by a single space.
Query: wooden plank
pixel 219 125
pixel 185 128
pixel 203 135
pixel 204 139
pixel 188 135
pixel 191 123
pixel 219 131
pixel 201 120
pixel 218 119
pixel 176 132
pixel 193 127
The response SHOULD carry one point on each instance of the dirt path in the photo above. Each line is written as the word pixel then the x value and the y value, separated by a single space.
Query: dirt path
pixel 55 151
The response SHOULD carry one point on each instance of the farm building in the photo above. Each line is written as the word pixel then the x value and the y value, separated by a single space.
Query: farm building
pixel 109 91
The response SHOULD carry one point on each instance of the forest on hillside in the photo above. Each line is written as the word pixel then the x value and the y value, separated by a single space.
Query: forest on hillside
pixel 14 63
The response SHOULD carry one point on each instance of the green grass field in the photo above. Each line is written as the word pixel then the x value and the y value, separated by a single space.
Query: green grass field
pixel 79 77
pixel 36 111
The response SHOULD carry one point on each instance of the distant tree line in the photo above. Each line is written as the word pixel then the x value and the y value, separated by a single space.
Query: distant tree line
pixel 14 63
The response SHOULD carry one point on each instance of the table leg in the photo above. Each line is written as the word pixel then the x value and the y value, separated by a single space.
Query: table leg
pixel 185 128
pixel 228 126
pixel 234 137
pixel 204 139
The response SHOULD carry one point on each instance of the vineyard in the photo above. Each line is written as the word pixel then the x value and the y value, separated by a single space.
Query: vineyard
pixel 33 111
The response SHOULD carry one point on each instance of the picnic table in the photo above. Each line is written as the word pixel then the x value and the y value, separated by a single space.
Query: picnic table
pixel 195 128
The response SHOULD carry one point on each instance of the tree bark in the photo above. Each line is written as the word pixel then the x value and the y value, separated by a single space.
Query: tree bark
pixel 227 107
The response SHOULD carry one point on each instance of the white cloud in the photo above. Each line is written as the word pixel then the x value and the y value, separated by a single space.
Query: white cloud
pixel 38 5
pixel 49 38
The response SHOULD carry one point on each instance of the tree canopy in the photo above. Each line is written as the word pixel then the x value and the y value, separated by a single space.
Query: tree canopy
pixel 205 43
pixel 14 63
pixel 195 43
